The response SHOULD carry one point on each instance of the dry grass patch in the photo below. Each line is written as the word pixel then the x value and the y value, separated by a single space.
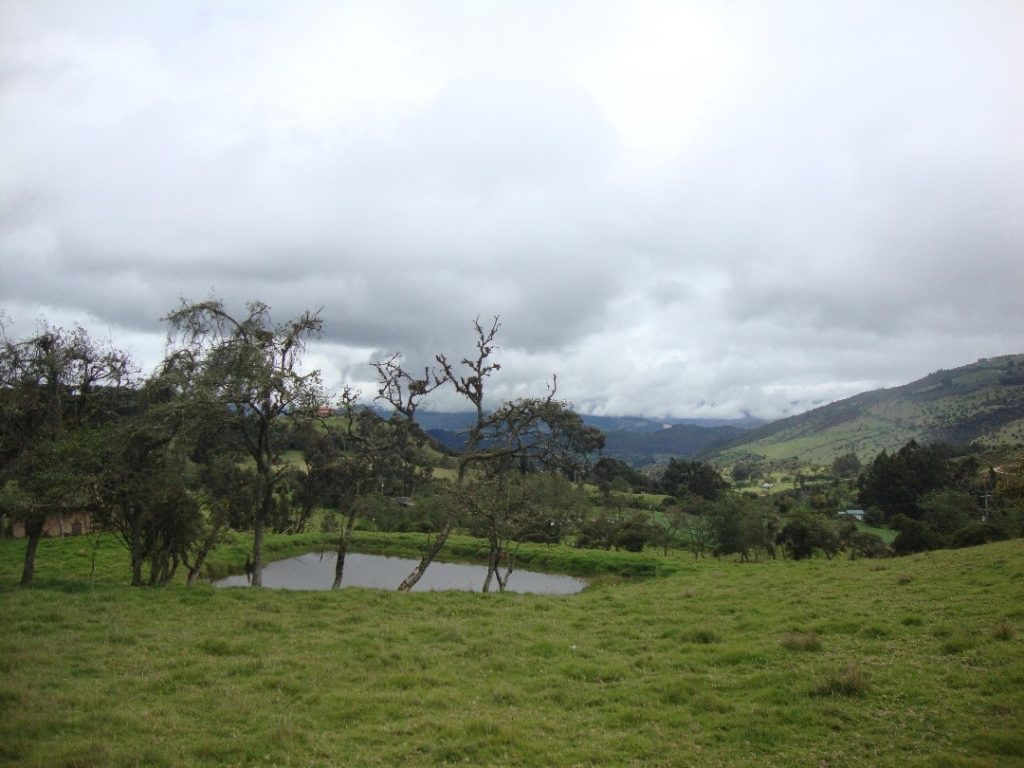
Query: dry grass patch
pixel 851 680
pixel 801 641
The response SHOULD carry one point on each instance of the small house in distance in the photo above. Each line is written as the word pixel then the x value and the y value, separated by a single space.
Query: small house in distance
pixel 59 525
pixel 852 514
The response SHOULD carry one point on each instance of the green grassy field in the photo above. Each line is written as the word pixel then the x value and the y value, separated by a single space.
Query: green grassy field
pixel 909 662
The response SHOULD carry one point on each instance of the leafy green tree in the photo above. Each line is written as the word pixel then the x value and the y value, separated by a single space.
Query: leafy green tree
pixel 946 511
pixel 635 532
pixel 805 532
pixel 597 532
pixel 760 528
pixel 895 483
pixel 913 536
pixel 696 477
pixel 617 475
pixel 975 533
pixel 847 465
pixel 1010 486
pixel 52 385
pixel 139 482
pixel 246 378
pixel 863 544
pixel 699 531
pixel 727 518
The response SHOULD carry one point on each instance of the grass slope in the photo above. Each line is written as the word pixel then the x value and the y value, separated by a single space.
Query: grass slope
pixel 912 662
pixel 982 402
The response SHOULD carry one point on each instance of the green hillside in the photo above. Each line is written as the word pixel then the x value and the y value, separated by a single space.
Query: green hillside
pixel 980 403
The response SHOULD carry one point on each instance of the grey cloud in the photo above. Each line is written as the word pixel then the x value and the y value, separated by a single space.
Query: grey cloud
pixel 841 209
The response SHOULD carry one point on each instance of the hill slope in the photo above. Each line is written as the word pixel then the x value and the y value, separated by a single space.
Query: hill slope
pixel 978 403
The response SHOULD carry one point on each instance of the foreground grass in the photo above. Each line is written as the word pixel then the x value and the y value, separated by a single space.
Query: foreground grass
pixel 917 661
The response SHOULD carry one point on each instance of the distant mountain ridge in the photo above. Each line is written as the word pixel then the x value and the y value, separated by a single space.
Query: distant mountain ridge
pixel 633 439
pixel 457 421
pixel 979 403
pixel 641 449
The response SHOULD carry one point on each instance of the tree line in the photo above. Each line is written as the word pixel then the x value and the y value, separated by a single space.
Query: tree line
pixel 171 461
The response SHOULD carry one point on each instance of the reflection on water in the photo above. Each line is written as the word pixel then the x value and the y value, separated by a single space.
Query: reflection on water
pixel 315 570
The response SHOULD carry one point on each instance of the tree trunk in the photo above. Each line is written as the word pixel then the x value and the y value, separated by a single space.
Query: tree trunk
pixel 346 536
pixel 510 559
pixel 34 530
pixel 257 553
pixel 136 555
pixel 503 581
pixel 428 556
pixel 194 570
pixel 492 567
pixel 257 541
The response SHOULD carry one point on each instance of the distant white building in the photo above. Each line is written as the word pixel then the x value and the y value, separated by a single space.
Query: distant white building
pixel 853 514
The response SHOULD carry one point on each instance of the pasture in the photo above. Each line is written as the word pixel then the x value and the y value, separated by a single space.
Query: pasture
pixel 904 662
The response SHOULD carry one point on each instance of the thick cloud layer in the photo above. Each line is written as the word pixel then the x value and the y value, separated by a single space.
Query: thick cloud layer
pixel 682 208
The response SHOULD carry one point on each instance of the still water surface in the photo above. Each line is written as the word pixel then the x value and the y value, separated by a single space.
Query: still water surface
pixel 315 570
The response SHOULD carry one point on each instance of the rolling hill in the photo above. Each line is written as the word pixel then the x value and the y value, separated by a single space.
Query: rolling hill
pixel 981 403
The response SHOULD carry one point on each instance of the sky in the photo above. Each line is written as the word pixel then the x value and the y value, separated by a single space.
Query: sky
pixel 688 209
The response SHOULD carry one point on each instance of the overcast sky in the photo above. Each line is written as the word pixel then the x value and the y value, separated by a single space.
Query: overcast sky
pixel 681 208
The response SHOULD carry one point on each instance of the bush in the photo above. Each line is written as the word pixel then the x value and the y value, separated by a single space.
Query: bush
pixel 596 533
pixel 914 536
pixel 634 533
pixel 874 516
pixel 973 534
pixel 867 545
pixel 329 523
pixel 806 532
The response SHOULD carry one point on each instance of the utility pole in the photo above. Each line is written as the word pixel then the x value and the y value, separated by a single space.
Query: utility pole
pixel 984 511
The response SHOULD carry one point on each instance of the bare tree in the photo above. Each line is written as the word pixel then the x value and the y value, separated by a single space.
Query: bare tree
pixel 515 436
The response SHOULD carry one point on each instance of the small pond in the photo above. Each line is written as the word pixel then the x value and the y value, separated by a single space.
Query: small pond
pixel 315 570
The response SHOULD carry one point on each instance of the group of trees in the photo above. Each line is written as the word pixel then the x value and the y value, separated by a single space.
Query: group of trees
pixel 739 525
pixel 171 461
pixel 936 496
pixel 157 460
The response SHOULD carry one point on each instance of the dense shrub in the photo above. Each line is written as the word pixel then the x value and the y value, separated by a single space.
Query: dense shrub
pixel 913 536
pixel 806 532
pixel 974 534
pixel 866 545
